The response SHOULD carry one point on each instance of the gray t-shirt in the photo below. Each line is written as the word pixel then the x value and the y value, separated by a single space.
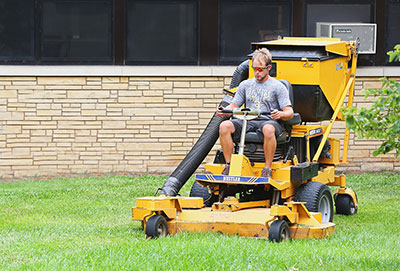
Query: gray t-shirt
pixel 264 96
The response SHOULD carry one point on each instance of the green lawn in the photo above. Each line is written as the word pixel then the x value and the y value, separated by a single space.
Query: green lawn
pixel 85 224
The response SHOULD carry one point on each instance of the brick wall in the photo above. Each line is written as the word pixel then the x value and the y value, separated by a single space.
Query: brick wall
pixel 141 125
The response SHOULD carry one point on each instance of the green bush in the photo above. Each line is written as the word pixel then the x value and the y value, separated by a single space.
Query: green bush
pixel 382 119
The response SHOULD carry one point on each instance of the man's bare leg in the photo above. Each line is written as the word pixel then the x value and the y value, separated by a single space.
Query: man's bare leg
pixel 226 129
pixel 269 144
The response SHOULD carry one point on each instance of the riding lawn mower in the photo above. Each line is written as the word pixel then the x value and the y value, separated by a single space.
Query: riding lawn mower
pixel 296 202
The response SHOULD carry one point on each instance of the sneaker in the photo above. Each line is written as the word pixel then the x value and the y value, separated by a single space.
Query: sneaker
pixel 226 170
pixel 266 173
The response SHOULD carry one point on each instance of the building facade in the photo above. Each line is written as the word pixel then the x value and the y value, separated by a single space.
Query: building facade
pixel 101 86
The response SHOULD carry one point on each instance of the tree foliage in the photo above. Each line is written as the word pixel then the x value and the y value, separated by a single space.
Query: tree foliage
pixel 395 54
pixel 382 120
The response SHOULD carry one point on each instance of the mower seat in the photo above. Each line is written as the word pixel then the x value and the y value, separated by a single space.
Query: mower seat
pixel 258 137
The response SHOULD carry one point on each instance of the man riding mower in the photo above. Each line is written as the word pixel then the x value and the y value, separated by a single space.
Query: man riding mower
pixel 276 183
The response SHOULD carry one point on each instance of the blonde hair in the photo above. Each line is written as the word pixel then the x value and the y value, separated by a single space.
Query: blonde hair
pixel 263 56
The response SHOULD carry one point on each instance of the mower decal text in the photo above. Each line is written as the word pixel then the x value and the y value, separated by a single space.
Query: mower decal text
pixel 315 132
pixel 231 179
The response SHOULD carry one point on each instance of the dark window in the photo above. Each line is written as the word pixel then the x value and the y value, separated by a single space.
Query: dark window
pixel 393 26
pixel 162 31
pixel 76 30
pixel 16 30
pixel 340 11
pixel 197 32
pixel 243 22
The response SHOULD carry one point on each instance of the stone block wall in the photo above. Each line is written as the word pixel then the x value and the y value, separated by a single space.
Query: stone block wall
pixel 61 126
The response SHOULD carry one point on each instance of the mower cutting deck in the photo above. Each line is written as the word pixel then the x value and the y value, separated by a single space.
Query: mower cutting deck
pixel 296 201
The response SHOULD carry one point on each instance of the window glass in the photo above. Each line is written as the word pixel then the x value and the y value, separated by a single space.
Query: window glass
pixel 162 31
pixel 339 13
pixel 76 30
pixel 16 29
pixel 393 26
pixel 343 11
pixel 243 22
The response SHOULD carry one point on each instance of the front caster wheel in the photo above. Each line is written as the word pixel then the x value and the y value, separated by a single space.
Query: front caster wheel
pixel 345 205
pixel 156 227
pixel 279 231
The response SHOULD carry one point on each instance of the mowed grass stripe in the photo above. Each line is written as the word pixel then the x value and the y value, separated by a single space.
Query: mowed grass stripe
pixel 85 224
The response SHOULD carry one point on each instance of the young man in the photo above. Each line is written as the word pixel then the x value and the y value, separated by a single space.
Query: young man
pixel 265 94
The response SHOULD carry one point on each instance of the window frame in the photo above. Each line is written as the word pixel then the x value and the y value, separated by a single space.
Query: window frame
pixel 208 33
pixel 363 60
pixel 227 61
pixel 32 30
pixel 94 61
pixel 386 29
pixel 191 61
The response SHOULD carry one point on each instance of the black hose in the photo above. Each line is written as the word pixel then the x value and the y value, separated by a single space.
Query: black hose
pixel 205 142
pixel 196 155
pixel 240 74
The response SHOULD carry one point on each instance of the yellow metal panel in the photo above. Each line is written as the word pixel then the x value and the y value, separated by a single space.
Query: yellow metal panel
pixel 251 71
pixel 298 41
pixel 333 79
pixel 252 215
pixel 169 212
pixel 326 176
pixel 284 211
pixel 257 230
pixel 288 192
pixel 140 213
pixel 282 174
pixel 191 202
pixel 235 205
pixel 214 168
pixel 330 75
pixel 297 231
pixel 339 48
pixel 156 203
pixel 304 216
pixel 298 72
pixel 240 166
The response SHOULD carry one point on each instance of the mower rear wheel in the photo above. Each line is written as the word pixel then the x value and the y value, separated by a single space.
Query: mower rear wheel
pixel 318 198
pixel 202 192
pixel 156 227
pixel 345 205
pixel 279 231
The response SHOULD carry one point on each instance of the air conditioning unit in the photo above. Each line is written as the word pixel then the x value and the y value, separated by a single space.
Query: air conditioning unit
pixel 351 31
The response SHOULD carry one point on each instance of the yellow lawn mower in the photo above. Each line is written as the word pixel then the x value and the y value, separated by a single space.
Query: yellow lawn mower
pixel 296 201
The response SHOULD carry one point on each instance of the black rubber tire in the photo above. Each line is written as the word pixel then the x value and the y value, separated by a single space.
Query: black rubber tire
pixel 318 198
pixel 199 191
pixel 156 227
pixel 345 205
pixel 279 231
